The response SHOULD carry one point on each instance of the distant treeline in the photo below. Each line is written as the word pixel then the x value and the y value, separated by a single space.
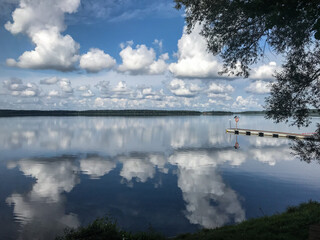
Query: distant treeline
pixel 26 113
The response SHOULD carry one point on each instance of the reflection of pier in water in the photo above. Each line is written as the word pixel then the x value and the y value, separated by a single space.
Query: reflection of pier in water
pixel 273 134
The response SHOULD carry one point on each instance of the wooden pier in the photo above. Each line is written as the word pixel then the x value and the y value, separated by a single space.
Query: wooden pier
pixel 273 134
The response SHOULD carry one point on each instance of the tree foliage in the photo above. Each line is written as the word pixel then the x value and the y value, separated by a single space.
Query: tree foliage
pixel 240 30
pixel 308 150
pixel 297 87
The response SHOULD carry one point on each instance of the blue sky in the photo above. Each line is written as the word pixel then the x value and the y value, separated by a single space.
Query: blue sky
pixel 115 54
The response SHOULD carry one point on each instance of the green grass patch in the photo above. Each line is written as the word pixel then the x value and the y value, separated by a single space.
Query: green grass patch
pixel 291 225
pixel 106 228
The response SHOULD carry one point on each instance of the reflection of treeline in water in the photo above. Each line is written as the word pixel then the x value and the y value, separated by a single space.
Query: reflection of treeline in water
pixel 128 112
pixel 232 113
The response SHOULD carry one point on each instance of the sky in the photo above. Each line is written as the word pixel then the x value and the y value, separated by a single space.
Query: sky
pixel 116 54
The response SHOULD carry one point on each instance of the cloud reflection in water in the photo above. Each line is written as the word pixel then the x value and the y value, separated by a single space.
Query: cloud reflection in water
pixel 43 206
pixel 137 149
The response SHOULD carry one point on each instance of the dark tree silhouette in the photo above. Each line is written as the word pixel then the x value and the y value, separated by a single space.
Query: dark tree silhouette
pixel 308 150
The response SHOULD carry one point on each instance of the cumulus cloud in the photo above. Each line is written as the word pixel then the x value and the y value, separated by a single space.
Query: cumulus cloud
pixel 96 60
pixel 103 86
pixel 259 87
pixel 87 94
pixel 220 88
pixel 159 66
pixel 194 61
pixel 264 72
pixel 63 88
pixel 14 84
pixel 142 60
pixel 121 87
pixel 49 81
pixel 53 93
pixel 16 87
pixel 246 103
pixel 182 89
pixel 65 85
pixel 223 96
pixel 148 93
pixel 120 90
pixel 158 43
pixel 83 88
pixel 43 22
pixel 99 102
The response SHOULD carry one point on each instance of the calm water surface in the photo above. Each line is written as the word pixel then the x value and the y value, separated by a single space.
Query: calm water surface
pixel 176 174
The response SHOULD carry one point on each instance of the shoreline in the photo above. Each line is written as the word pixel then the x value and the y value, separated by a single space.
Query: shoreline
pixel 296 223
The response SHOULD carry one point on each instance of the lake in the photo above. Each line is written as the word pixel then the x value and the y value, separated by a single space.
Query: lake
pixel 175 174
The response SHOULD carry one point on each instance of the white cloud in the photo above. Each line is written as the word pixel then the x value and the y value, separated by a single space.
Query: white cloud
pixel 87 93
pixel 259 87
pixel 120 87
pixel 159 66
pixel 96 60
pixel 16 87
pixel 180 88
pixel 246 103
pixel 223 96
pixel 43 22
pixel 65 85
pixel 158 43
pixel 63 88
pixel 53 93
pixel 194 61
pixel 148 93
pixel 121 90
pixel 29 92
pixel 99 102
pixel 220 88
pixel 264 72
pixel 14 84
pixel 142 60
pixel 84 88
pixel 49 81
pixel 103 86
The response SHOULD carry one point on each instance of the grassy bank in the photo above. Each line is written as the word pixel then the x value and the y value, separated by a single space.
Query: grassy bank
pixel 291 225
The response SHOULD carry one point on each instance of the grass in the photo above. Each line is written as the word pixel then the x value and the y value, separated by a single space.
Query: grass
pixel 291 225
pixel 106 228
